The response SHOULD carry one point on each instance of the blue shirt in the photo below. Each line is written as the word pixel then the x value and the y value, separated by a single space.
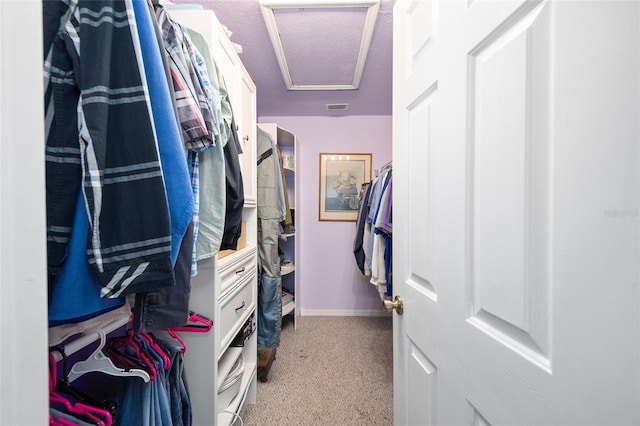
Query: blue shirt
pixel 172 156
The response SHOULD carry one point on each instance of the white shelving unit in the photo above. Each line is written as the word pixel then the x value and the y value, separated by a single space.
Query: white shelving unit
pixel 289 241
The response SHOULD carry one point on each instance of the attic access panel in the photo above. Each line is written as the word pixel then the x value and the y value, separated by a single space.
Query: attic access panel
pixel 320 45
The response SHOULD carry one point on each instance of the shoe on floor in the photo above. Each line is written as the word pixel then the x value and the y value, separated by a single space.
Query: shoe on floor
pixel 266 356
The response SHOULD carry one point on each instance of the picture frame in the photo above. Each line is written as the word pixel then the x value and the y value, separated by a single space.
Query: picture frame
pixel 341 176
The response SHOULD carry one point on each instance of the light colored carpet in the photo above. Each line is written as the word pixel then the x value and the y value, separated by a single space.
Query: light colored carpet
pixel 330 371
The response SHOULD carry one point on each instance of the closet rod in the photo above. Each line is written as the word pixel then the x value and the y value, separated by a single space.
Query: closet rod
pixel 87 339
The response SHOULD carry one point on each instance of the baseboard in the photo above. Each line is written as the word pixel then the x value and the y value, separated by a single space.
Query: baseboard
pixel 344 313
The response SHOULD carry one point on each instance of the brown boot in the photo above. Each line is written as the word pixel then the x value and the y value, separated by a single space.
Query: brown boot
pixel 266 356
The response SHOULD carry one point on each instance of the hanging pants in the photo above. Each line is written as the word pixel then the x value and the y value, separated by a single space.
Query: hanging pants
pixel 269 284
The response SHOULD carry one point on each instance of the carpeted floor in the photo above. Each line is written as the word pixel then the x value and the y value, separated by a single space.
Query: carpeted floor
pixel 330 371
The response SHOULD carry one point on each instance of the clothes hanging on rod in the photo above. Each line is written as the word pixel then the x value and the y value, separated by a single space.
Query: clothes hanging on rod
pixel 134 148
pixel 89 142
pixel 151 392
pixel 183 115
pixel 74 293
pixel 67 408
pixel 358 242
pixel 372 244
pixel 212 202
pixel 159 359
pixel 271 211
pixel 89 333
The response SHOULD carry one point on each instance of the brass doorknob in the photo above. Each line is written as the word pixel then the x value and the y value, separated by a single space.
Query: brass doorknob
pixel 390 305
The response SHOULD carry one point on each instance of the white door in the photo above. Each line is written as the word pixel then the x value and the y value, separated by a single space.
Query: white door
pixel 517 222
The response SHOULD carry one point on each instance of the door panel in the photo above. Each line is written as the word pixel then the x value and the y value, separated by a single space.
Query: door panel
pixel 516 196
pixel 422 29
pixel 420 221
pixel 246 115
pixel 422 380
pixel 509 103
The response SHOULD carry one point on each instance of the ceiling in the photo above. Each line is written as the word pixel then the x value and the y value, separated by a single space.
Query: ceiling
pixel 321 48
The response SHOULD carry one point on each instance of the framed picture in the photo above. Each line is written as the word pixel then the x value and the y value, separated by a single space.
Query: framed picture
pixel 341 176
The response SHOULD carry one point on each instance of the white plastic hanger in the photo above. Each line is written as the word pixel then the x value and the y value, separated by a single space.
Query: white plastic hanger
pixel 98 361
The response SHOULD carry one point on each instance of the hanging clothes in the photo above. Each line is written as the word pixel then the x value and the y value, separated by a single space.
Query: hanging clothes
pixel 124 150
pixel 384 228
pixel 363 210
pixel 234 191
pixel 74 293
pixel 172 156
pixel 166 307
pixel 193 54
pixel 270 214
pixel 211 162
pixel 179 399
pixel 373 243
pixel 99 134
pixel 287 221
pixel 195 116
pixel 197 122
pixel 163 401
pixel 378 263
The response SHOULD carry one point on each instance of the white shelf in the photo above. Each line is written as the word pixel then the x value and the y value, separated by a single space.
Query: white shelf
pixel 288 307
pixel 224 416
pixel 226 363
pixel 87 339
pixel 287 269
pixel 288 303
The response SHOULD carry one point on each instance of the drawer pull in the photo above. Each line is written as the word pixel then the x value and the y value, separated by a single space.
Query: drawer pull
pixel 241 270
pixel 240 307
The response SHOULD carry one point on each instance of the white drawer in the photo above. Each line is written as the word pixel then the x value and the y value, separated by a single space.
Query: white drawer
pixel 235 308
pixel 234 270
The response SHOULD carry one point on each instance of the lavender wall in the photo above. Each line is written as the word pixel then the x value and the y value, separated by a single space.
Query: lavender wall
pixel 330 282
